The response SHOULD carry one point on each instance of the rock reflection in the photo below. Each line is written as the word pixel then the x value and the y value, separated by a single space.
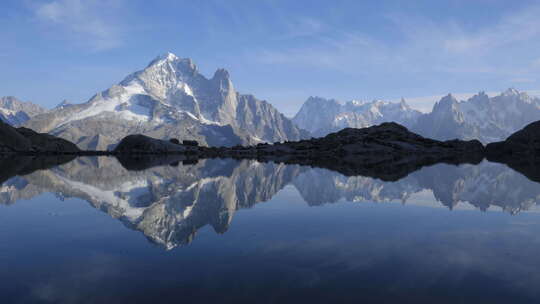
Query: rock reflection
pixel 170 199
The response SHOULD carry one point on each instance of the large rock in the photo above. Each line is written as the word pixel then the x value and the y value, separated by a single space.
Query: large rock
pixel 525 142
pixel 142 144
pixel 46 142
pixel 23 140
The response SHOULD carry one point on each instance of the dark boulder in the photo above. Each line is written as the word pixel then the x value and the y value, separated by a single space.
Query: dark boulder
pixel 192 143
pixel 523 143
pixel 24 140
pixel 143 144
pixel 48 143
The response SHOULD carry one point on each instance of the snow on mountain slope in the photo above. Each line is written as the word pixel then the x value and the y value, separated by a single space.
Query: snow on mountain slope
pixel 322 116
pixel 170 98
pixel 480 117
pixel 16 112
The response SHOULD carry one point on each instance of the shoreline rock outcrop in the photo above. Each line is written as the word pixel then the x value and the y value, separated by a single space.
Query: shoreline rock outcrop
pixel 26 141
pixel 142 144
pixel 523 143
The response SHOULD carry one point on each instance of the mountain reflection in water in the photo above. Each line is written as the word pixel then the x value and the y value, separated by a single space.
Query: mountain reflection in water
pixel 170 199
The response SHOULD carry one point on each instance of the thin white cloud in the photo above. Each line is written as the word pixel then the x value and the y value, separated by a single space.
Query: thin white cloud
pixel 91 23
pixel 517 27
pixel 424 45
pixel 523 80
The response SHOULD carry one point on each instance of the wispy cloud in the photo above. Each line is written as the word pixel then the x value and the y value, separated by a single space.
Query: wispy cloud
pixel 91 23
pixel 423 45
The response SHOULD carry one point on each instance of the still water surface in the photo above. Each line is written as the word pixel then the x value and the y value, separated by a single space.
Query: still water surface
pixel 232 231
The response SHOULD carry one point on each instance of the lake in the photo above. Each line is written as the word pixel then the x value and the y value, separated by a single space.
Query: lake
pixel 93 231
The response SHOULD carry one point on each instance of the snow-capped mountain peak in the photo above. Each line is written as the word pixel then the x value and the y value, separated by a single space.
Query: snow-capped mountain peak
pixel 510 92
pixel 169 97
pixel 480 117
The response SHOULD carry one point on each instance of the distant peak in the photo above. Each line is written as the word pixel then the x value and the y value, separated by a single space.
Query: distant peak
pixel 403 104
pixel 356 102
pixel 510 92
pixel 64 103
pixel 221 74
pixel 321 100
pixel 168 56
pixel 183 64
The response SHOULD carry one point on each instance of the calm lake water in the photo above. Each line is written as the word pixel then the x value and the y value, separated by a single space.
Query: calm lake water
pixel 91 231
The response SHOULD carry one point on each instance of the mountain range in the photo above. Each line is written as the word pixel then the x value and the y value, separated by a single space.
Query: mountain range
pixel 323 116
pixel 481 117
pixel 170 98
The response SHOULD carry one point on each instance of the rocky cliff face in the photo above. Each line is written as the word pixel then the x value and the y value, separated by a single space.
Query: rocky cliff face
pixel 16 112
pixel 169 99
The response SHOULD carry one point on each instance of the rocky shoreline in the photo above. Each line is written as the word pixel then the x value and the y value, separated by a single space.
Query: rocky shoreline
pixel 388 152
pixel 388 149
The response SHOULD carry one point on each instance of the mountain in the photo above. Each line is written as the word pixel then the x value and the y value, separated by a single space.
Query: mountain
pixel 169 99
pixel 322 116
pixel 16 112
pixel 481 117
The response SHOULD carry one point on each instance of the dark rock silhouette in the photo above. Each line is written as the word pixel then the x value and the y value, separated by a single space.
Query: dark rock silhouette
pixel 388 151
pixel 142 144
pixel 192 143
pixel 13 165
pixel 23 140
pixel 525 142
pixel 520 151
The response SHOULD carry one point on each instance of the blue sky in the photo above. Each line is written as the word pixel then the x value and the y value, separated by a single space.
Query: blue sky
pixel 281 51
